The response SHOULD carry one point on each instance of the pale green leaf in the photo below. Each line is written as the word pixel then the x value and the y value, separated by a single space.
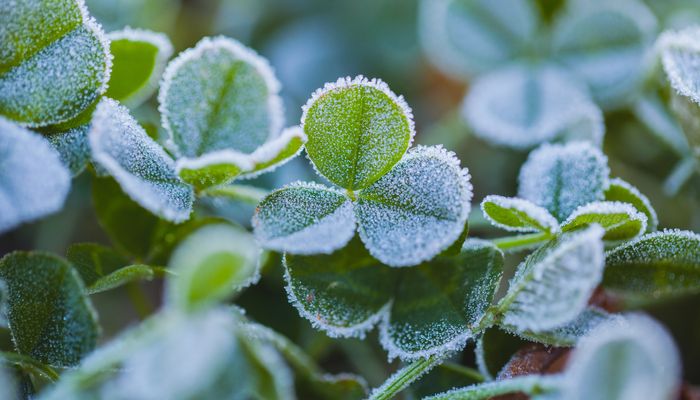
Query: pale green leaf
pixel 122 276
pixel 621 221
pixel 518 215
pixel 417 210
pixel 536 387
pixel 620 190
pixel 277 151
pixel 73 148
pixel 93 261
pixel 357 130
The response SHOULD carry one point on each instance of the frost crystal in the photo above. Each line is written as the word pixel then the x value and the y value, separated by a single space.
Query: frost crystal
pixel 73 148
pixel 33 181
pixel 620 190
pixel 416 210
pixel 219 95
pixel 142 168
pixel 680 55
pixel 304 218
pixel 561 178
pixel 621 221
pixel 552 286
pixel 517 215
pixel 358 129
pixel 522 106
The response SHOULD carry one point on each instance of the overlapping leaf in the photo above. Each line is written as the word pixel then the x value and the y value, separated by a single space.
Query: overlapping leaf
pixel 514 214
pixel 621 191
pixel 680 56
pixel 73 148
pixel 621 221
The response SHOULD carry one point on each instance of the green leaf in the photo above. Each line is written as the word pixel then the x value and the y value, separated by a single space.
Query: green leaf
pixel 518 215
pixel 143 169
pixel 622 191
pixel 621 221
pixel 656 266
pixel 358 129
pixel 139 61
pixel 304 218
pixel 122 276
pixel 417 210
pixel 277 151
pixel 605 43
pixel 562 178
pixel 632 359
pixel 29 189
pixel 468 37
pixel 688 114
pixel 54 62
pixel 443 377
pixel 536 387
pixel 93 261
pixel 210 265
pixel 219 95
pixel 29 366
pixel 50 317
pixel 494 348
pixel 425 310
pixel 73 148
pixel 552 286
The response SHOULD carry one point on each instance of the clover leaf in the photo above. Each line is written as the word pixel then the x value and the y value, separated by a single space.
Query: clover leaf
pixel 429 309
pixel 73 148
pixel 54 61
pixel 621 221
pixel 622 191
pixel 518 215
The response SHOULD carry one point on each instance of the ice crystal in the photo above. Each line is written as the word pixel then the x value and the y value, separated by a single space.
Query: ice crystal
pixel 621 221
pixel 680 56
pixel 73 148
pixel 517 215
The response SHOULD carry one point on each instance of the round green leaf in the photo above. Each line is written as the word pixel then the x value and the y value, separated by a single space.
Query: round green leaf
pixel 139 61
pixel 416 210
pixel 143 169
pixel 621 221
pixel 49 315
pixel 29 188
pixel 54 61
pixel 210 265
pixel 73 148
pixel 219 95
pixel 304 218
pixel 358 129
pixel 620 190
pixel 518 215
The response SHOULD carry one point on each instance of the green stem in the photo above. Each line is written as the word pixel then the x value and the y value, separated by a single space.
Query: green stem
pixel 243 193
pixel 530 385
pixel 519 242
pixel 404 377
pixel 466 371
pixel 30 365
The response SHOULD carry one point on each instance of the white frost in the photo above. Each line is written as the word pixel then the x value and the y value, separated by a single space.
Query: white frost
pixel 680 56
pixel 611 215
pixel 533 211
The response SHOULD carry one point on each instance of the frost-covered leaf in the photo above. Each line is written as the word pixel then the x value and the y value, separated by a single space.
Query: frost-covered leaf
pixel 277 151
pixel 357 130
pixel 626 359
pixel 143 169
pixel 73 148
pixel 467 37
pixel 535 387
pixel 29 189
pixel 680 57
pixel 54 60
pixel 416 210
pixel 561 178
pixel 621 221
pixel 657 265
pixel 605 42
pixel 139 61
pixel 304 218
pixel 620 190
pixel 518 215
pixel 687 113
pixel 210 265
pixel 219 95
pixel 552 286
pixel 49 315
pixel 522 106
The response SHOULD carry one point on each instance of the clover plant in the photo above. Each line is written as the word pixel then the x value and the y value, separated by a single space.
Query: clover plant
pixel 386 239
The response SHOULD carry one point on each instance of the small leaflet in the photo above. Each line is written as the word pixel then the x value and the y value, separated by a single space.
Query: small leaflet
pixel 518 215
pixel 561 178
pixel 357 129
pixel 416 210
pixel 143 169
pixel 29 189
pixel 277 152
pixel 304 218
pixel 521 106
pixel 621 221
pixel 552 286
pixel 680 57
pixel 622 191
pixel 626 358
pixel 73 148
pixel 213 169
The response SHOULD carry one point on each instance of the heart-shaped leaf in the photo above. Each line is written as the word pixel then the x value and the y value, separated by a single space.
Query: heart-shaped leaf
pixel 73 148
pixel 680 57
pixel 552 286
pixel 467 37
pixel 143 169
pixel 29 189
pixel 219 95
pixel 562 178
pixel 620 190
pixel 518 215
pixel 429 309
pixel 357 131
pixel 416 210
pixel 210 265
pixel 656 266
pixel 50 317
pixel 522 106
pixel 54 61
pixel 605 43
pixel 138 64
pixel 621 221
pixel 304 218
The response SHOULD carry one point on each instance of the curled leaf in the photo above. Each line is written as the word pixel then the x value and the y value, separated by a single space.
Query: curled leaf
pixel 621 221
pixel 518 215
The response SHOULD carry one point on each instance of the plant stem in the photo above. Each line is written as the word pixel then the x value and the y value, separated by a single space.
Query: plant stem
pixel 466 371
pixel 404 377
pixel 530 384
pixel 521 241
pixel 243 193
pixel 30 365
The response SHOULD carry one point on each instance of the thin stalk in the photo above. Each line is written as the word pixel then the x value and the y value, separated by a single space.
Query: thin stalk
pixel 30 365
pixel 519 242
pixel 466 371
pixel 404 377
